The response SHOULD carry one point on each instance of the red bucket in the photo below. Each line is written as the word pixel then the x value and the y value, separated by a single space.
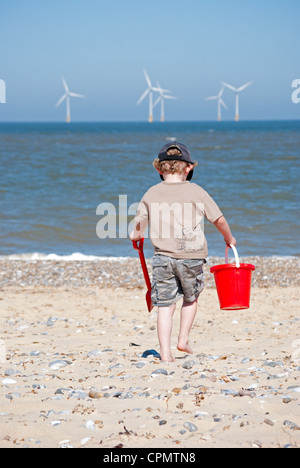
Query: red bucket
pixel 233 283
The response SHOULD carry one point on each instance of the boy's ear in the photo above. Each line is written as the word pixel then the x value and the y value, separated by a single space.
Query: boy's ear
pixel 189 168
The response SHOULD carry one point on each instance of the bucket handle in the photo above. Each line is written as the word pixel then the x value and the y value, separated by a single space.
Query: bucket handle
pixel 237 261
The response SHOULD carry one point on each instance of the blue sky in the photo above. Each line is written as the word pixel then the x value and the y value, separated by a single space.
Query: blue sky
pixel 189 46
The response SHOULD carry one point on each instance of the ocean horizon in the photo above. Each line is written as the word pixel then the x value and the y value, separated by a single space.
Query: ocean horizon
pixel 54 175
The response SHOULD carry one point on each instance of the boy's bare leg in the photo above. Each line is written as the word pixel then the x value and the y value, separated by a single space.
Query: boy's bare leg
pixel 187 317
pixel 164 331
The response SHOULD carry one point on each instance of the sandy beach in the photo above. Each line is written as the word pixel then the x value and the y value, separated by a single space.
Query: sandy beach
pixel 72 373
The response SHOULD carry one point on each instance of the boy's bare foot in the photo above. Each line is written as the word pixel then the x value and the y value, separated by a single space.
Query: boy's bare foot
pixel 167 358
pixel 185 347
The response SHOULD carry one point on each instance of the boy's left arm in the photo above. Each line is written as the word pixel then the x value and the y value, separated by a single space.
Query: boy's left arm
pixel 223 227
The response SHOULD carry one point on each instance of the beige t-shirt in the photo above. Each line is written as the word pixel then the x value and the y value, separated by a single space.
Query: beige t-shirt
pixel 175 213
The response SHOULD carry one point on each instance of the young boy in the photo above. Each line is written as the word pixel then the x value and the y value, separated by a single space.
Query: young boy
pixel 174 210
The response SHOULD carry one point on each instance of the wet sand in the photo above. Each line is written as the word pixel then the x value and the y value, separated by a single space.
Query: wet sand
pixel 72 372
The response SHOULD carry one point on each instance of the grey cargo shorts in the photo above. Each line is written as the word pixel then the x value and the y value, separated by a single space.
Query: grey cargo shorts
pixel 174 279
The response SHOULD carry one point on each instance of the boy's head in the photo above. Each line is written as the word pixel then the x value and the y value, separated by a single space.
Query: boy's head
pixel 174 158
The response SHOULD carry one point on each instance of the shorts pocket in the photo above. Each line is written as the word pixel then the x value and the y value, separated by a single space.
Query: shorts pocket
pixel 192 263
pixel 160 261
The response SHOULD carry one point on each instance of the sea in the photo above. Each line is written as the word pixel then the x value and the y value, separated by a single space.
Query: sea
pixel 62 184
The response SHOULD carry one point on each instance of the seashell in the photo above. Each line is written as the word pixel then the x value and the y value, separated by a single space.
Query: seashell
pixel 90 425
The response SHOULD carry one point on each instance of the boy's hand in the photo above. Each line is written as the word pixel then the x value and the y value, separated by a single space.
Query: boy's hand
pixel 232 241
pixel 134 237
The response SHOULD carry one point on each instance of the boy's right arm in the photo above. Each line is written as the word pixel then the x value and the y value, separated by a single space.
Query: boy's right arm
pixel 223 227
pixel 138 230
pixel 140 222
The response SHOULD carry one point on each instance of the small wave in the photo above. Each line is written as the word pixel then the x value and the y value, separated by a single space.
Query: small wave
pixel 171 138
pixel 76 256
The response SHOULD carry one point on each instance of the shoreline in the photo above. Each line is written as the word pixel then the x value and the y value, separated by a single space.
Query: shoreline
pixel 126 272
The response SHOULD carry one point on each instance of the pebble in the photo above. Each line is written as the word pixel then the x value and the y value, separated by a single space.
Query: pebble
pixel 85 440
pixel 139 365
pixel 8 381
pixel 188 364
pixel 51 321
pixel 190 427
pixel 65 444
pixel 243 392
pixel 281 271
pixel 95 394
pixel 159 371
pixel 291 425
pixel 294 388
pixel 269 422
pixel 274 363
pixel 11 372
pixel 245 360
pixel 78 394
pixel 257 444
pixel 55 423
pixel 95 352
pixel 229 392
pixel 59 364
pixel 286 399
pixel 200 414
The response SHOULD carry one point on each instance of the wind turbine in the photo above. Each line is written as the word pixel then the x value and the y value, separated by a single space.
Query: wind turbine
pixel 149 91
pixel 162 96
pixel 220 102
pixel 237 91
pixel 67 96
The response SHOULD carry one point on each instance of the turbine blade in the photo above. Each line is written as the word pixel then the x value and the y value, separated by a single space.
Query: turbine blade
pixel 65 85
pixel 76 95
pixel 147 79
pixel 229 86
pixel 165 96
pixel 211 97
pixel 61 100
pixel 157 101
pixel 161 90
pixel 223 103
pixel 142 96
pixel 245 86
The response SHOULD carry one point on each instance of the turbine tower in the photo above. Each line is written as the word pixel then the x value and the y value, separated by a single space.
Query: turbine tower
pixel 220 102
pixel 67 96
pixel 2 92
pixel 161 98
pixel 237 91
pixel 149 91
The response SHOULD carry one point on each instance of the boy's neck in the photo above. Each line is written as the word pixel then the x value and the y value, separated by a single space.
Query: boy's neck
pixel 174 178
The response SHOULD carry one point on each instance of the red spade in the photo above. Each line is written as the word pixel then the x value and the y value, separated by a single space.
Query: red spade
pixel 138 245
